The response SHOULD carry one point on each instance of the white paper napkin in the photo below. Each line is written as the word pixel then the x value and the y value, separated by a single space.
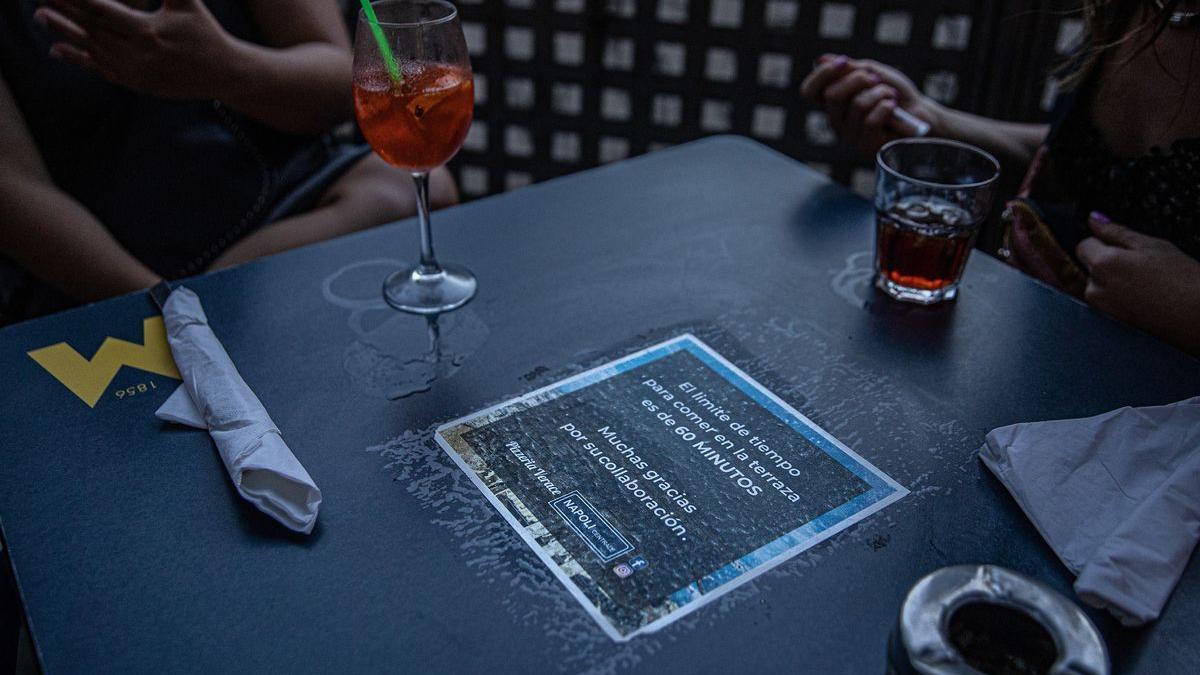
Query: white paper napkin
pixel 1117 496
pixel 213 396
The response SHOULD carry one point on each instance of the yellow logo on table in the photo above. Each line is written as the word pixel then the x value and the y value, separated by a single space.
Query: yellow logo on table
pixel 88 379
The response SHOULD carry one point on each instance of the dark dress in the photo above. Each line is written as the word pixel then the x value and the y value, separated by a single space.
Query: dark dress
pixel 1157 193
pixel 175 182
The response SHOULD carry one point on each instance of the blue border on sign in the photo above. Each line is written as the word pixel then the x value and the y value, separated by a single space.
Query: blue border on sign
pixel 879 488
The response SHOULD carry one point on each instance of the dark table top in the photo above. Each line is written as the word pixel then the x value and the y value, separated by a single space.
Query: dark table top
pixel 132 550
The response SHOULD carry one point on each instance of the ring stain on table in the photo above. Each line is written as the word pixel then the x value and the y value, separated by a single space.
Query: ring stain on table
pixel 394 354
pixel 853 281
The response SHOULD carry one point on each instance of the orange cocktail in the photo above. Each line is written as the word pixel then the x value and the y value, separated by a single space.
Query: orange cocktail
pixel 419 123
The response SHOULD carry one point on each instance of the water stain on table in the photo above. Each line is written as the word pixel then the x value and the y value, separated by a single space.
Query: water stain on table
pixel 396 355
pixel 852 282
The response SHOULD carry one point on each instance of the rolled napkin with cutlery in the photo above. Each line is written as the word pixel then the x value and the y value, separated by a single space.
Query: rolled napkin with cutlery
pixel 213 396
pixel 1117 496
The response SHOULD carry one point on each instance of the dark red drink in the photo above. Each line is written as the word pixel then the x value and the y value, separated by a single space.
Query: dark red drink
pixel 922 246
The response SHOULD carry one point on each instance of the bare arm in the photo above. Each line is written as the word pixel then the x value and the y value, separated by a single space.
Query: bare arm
pixel 298 81
pixel 859 96
pixel 1013 143
pixel 49 233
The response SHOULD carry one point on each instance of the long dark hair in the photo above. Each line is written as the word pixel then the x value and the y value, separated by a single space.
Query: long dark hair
pixel 1108 24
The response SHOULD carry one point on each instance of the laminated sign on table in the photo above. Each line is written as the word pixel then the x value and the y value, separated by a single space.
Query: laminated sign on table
pixel 657 482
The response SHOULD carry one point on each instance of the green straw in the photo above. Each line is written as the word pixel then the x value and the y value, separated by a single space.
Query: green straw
pixel 389 59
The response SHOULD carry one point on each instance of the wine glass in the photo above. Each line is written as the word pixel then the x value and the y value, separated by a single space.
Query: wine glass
pixel 414 99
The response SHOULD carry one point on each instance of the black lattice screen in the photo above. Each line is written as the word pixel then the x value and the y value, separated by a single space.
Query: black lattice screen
pixel 563 85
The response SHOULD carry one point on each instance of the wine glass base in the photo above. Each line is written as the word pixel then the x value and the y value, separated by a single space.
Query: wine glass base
pixel 416 292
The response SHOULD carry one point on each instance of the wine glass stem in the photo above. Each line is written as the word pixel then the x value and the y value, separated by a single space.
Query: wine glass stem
pixel 429 264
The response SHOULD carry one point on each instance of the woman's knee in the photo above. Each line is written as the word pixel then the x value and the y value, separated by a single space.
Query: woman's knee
pixel 373 193
pixel 386 193
pixel 443 191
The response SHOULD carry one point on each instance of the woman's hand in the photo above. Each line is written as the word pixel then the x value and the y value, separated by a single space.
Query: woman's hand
pixel 297 81
pixel 859 97
pixel 177 51
pixel 1142 280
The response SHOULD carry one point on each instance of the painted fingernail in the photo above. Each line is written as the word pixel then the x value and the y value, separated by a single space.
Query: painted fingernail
pixel 873 78
pixel 841 60
pixel 1097 217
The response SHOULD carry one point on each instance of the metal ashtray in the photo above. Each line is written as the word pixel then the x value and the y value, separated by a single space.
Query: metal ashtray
pixel 972 619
